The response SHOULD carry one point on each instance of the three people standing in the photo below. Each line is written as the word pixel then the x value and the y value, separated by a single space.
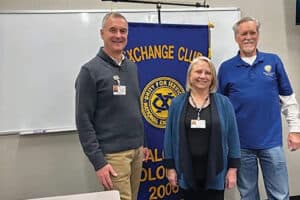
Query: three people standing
pixel 207 135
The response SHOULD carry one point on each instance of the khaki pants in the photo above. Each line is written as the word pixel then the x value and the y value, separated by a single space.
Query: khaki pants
pixel 128 166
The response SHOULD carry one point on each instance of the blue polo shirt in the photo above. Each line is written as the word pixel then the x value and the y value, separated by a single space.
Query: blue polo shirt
pixel 254 92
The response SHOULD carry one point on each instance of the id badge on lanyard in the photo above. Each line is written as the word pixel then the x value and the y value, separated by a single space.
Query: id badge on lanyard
pixel 198 123
pixel 118 89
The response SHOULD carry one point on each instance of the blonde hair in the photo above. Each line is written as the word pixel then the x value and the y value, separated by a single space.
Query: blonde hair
pixel 213 85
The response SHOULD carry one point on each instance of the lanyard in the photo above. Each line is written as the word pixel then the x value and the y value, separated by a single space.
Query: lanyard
pixel 200 108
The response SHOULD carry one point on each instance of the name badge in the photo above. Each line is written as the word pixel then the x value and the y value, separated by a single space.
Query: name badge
pixel 195 123
pixel 119 90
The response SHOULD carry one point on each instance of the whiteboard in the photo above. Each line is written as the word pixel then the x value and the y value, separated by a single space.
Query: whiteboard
pixel 41 54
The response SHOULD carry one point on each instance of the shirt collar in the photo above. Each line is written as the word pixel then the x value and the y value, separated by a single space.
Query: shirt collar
pixel 241 63
pixel 116 61
pixel 109 59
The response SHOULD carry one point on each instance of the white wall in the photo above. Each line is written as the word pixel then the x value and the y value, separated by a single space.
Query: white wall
pixel 47 165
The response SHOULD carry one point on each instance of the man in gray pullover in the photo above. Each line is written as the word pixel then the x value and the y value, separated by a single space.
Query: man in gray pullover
pixel 108 115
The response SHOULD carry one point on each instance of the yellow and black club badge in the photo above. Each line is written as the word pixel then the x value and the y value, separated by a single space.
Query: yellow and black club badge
pixel 156 99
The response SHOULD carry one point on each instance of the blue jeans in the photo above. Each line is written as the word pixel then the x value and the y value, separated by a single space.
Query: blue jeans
pixel 274 171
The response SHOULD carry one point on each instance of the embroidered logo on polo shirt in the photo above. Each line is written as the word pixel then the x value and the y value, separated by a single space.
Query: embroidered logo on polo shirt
pixel 268 71
pixel 268 68
pixel 156 98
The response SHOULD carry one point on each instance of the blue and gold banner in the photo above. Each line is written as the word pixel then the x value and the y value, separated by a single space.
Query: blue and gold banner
pixel 163 53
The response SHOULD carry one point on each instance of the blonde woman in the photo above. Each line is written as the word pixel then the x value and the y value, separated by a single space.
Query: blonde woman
pixel 201 144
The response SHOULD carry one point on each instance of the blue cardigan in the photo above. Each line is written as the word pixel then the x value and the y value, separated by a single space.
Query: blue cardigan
pixel 224 145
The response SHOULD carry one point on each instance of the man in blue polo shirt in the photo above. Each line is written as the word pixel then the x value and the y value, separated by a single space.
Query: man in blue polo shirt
pixel 259 89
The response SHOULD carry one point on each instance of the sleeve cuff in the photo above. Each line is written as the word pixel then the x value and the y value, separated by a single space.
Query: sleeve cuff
pixel 98 161
pixel 294 129
pixel 234 163
pixel 169 163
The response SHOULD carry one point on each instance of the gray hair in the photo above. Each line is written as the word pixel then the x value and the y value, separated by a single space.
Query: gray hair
pixel 245 19
pixel 113 15
pixel 213 85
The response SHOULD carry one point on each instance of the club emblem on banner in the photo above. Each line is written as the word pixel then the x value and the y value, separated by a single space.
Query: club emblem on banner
pixel 156 98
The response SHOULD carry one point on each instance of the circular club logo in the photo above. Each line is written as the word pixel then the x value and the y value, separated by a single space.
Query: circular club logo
pixel 156 99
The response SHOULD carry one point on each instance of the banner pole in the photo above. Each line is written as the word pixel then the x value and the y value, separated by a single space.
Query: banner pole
pixel 209 53
pixel 158 6
pixel 197 4
pixel 159 3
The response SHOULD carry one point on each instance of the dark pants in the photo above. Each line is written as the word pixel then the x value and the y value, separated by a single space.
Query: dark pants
pixel 202 194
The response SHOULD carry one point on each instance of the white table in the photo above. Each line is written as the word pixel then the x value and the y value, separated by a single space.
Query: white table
pixel 106 195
